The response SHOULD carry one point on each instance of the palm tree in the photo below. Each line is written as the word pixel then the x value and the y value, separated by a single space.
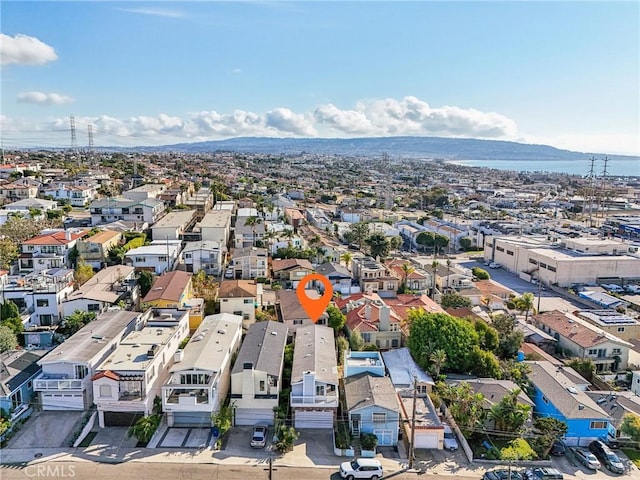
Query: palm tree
pixel 525 304
pixel 252 222
pixel 448 272
pixel 438 359
pixel 346 257
pixel 288 234
pixel 407 270
pixel 268 236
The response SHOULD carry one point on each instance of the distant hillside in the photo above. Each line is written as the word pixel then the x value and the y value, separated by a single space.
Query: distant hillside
pixel 408 147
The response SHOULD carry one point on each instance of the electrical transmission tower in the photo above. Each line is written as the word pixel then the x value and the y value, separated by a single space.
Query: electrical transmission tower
pixel 74 138
pixel 591 192
pixel 603 187
pixel 90 148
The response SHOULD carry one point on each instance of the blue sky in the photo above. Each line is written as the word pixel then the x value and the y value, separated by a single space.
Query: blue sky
pixel 561 73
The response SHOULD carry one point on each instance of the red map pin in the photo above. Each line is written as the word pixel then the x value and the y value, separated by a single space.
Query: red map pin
pixel 314 307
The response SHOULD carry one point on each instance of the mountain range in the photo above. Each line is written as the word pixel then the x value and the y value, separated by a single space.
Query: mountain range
pixel 396 147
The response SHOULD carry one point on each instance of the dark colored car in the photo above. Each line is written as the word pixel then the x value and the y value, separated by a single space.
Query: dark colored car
pixel 609 459
pixel 558 449
pixel 544 473
pixel 502 474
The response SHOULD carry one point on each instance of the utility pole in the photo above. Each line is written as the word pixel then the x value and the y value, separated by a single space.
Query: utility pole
pixel 413 422
pixel 592 175
pixel 603 188
pixel 271 469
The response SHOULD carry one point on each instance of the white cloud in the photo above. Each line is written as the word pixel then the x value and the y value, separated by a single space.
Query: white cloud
pixel 385 117
pixel 155 12
pixel 42 98
pixel 236 70
pixel 25 50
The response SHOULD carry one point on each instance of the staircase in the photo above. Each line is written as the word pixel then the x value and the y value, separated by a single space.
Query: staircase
pixel 355 443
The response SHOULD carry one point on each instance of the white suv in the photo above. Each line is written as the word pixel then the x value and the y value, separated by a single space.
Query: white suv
pixel 361 468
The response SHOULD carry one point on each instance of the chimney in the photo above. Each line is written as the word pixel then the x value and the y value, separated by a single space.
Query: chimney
pixel 367 311
pixel 67 235
pixel 385 318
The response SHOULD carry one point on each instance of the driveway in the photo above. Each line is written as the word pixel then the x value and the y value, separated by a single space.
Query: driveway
pixel 113 437
pixel 47 430
pixel 185 438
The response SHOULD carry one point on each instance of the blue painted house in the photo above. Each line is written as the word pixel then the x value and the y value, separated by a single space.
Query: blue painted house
pixel 18 368
pixel 363 362
pixel 373 407
pixel 558 397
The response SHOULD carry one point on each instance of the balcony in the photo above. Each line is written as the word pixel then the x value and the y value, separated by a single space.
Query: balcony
pixel 192 397
pixel 316 400
pixel 56 382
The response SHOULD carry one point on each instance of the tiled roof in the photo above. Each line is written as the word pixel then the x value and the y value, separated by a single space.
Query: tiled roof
pixel 169 286
pixel 57 238
pixel 237 289
pixel 573 330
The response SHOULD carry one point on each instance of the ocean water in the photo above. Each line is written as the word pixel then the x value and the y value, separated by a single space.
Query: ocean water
pixel 573 167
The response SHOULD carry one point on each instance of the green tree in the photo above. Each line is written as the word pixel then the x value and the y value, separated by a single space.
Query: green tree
pixel 439 331
pixel 407 270
pixel 336 318
pixel 144 428
pixel 465 405
pixel 584 366
pixel 378 245
pixel 438 360
pixel 396 242
pixel 253 222
pixel 631 426
pixel 8 310
pixel 346 257
pixel 488 336
pixel 510 339
pixel 145 280
pixel 356 343
pixel 287 437
pixel 222 419
pixel 8 339
pixel 509 415
pixel 360 232
pixel 10 316
pixel 524 303
pixel 8 253
pixel 343 346
pixel 83 273
pixel 484 363
pixel 465 243
pixel 454 300
pixel 480 273
pixel 550 430
pixel 77 320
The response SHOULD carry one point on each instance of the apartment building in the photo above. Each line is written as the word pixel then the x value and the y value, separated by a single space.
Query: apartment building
pixel 48 250
pixel 94 250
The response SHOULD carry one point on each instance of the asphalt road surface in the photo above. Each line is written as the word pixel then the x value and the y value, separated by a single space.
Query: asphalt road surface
pixel 174 471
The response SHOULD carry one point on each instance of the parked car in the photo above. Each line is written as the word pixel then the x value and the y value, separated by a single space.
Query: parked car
pixel 609 459
pixel 361 468
pixel 494 265
pixel 586 458
pixel 450 442
pixel 543 473
pixel 229 273
pixel 558 449
pixel 502 474
pixel 259 437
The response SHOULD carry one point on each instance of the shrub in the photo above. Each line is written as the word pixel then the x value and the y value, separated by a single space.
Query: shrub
pixel 368 441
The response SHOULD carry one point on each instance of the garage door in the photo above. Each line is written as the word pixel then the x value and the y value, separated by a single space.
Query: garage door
pixel 385 437
pixel 251 416
pixel 121 419
pixel 61 401
pixel 426 441
pixel 192 419
pixel 313 419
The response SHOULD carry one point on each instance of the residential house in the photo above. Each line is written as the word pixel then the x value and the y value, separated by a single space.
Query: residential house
pixel 174 225
pixel 18 369
pixel 159 256
pixel 137 212
pixel 175 290
pixel 294 217
pixel 405 373
pixel 204 255
pixel 39 295
pixel 28 206
pixel 617 405
pixel 418 280
pixel 554 395
pixel 145 192
pixel 248 235
pixel 249 263
pixel 376 322
pixel 373 277
pixel 290 271
pixel 201 374
pixel 76 195
pixel 369 362
pixel 106 289
pixel 216 227
pixel 256 377
pixel 317 218
pixel 449 277
pixel 291 312
pixel 202 201
pixel 94 250
pixel 240 297
pixel 604 300
pixel 612 322
pixel 12 192
pixel 314 378
pixel 635 382
pixel 372 406
pixel 339 277
pixel 403 303
pixel 126 383
pixel 494 295
pixel 48 250
pixel 65 381
pixel 583 340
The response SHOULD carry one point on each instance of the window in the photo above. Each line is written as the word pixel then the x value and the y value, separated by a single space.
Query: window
pixel 30 385
pixel 598 425
pixel 510 252
pixel 551 269
pixel 45 320
pixel 621 329
pixel 262 385
pixel 592 351
pixel 42 302
pixel 379 417
pixel 297 322
pixel 93 307
pixel 16 399
pixel 247 300
pixel 245 316
pixel 500 249
pixel 532 261
pixel 543 265
pixel 81 371
pixel 616 351
pixel 320 390
pixel 105 391
pixel 545 400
